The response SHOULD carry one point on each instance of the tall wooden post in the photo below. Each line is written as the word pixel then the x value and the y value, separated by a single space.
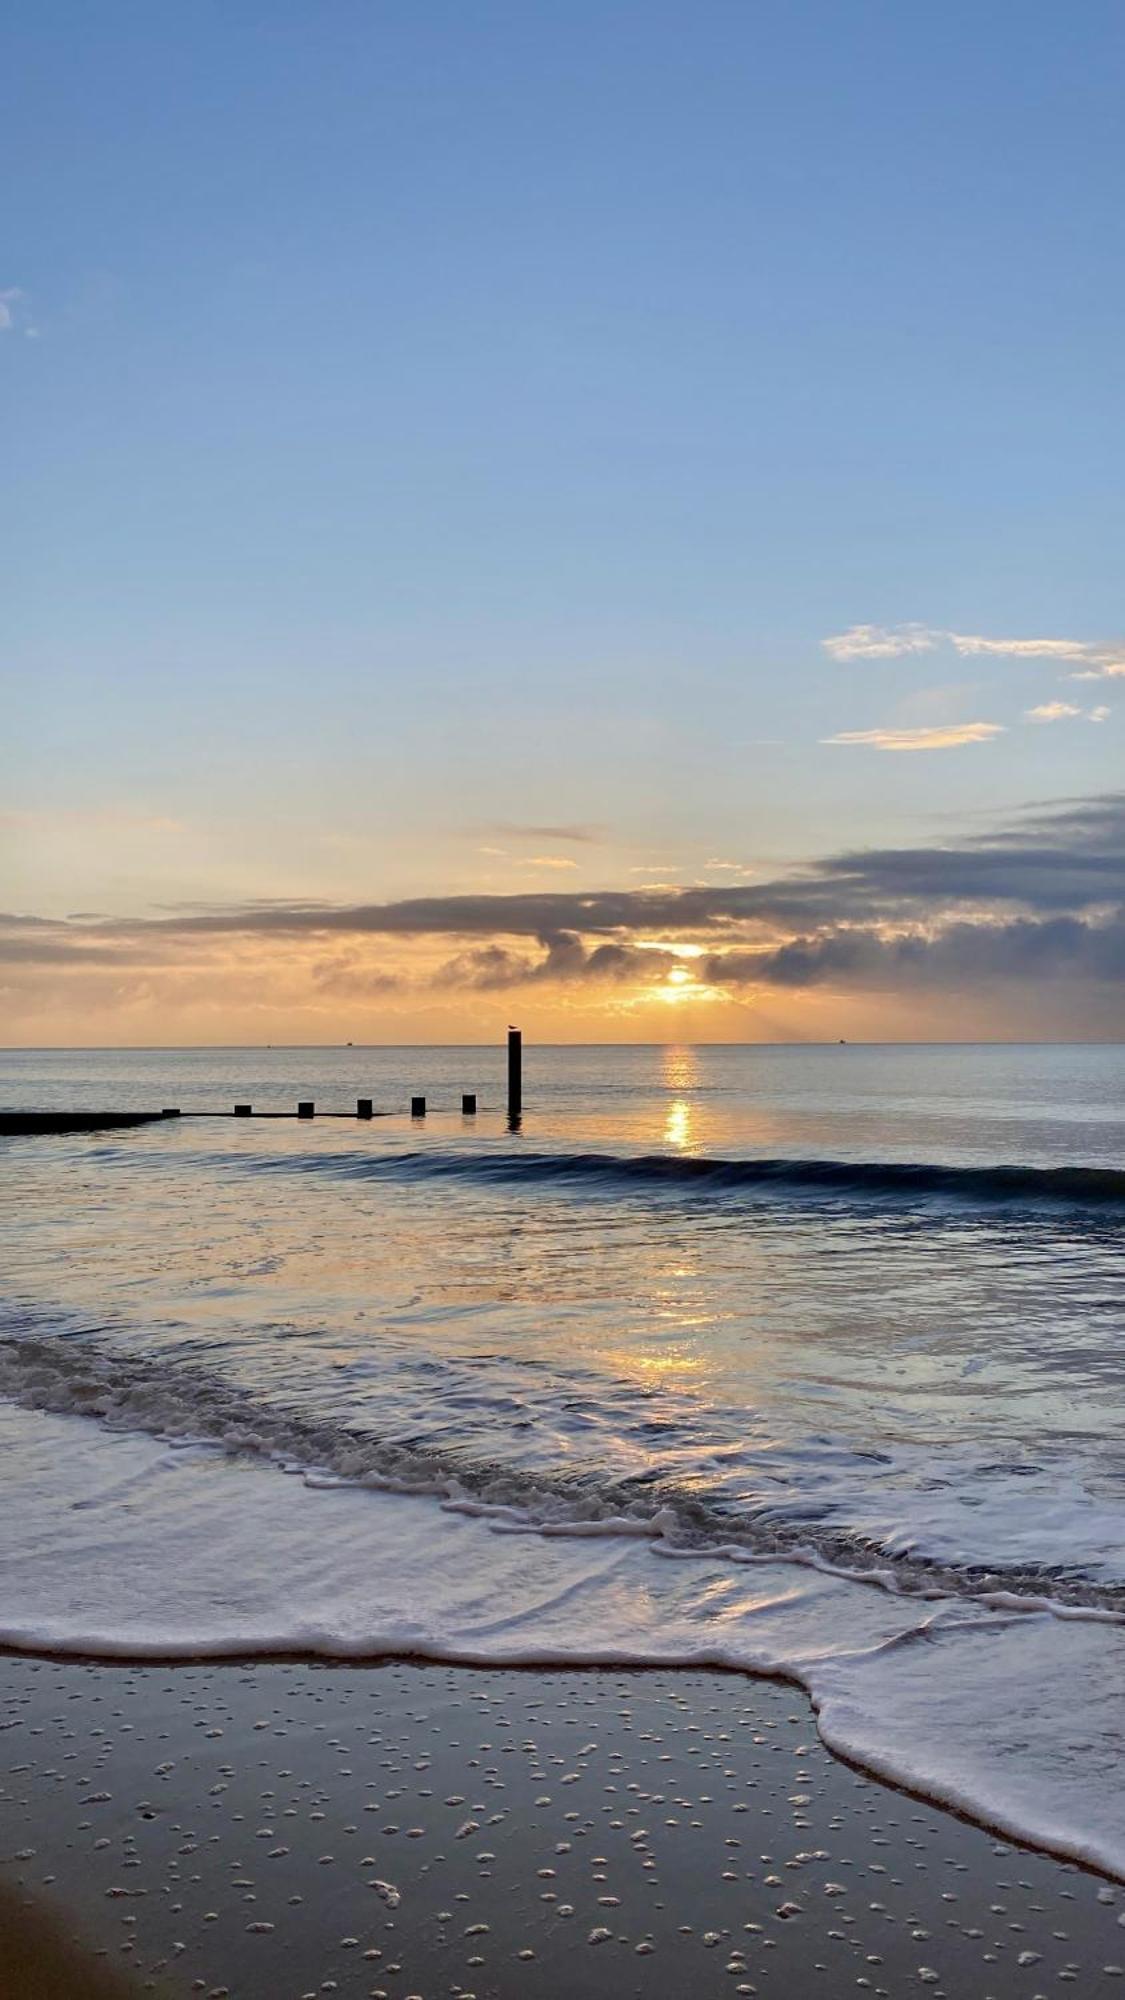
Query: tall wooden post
pixel 515 1075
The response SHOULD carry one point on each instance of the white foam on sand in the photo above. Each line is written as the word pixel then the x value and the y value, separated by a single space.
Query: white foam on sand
pixel 125 1546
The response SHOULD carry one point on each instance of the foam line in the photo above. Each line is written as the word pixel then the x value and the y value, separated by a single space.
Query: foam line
pixel 128 1550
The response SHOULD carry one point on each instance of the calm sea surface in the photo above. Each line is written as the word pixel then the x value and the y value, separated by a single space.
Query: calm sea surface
pixel 926 1362
pixel 862 1305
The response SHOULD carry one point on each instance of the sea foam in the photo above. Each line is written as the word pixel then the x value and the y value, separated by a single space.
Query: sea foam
pixel 128 1548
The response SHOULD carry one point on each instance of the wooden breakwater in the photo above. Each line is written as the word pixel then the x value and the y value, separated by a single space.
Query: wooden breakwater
pixel 73 1121
pixel 17 1122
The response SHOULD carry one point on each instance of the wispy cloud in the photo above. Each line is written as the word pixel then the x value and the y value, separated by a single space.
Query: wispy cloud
pixel 548 861
pixel 881 642
pixel 14 313
pixel 1092 659
pixel 579 832
pixel 972 644
pixel 946 736
pixel 1106 664
pixel 1066 711
pixel 1052 711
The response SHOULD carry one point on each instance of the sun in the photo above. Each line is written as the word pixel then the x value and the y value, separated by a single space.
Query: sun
pixel 678 985
pixel 681 982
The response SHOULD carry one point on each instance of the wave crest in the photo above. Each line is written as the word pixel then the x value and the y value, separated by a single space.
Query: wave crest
pixel 1086 1187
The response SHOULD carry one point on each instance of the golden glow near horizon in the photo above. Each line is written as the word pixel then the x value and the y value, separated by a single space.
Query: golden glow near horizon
pixel 679 1067
pixel 264 975
pixel 679 985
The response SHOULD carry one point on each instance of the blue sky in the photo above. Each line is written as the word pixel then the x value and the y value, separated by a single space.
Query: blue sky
pixel 423 419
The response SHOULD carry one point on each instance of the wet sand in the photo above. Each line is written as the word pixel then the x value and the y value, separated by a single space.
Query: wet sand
pixel 284 1831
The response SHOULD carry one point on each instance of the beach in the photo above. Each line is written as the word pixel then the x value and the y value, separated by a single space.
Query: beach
pixel 282 1830
pixel 684 1537
pixel 562 952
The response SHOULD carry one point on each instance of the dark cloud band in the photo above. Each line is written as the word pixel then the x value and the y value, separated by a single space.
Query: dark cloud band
pixel 1041 895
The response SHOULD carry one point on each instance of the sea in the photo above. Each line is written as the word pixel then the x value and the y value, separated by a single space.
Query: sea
pixel 799 1361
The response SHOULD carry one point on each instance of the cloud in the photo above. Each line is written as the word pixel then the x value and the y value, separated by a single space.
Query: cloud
pixel 548 861
pixel 1064 853
pixel 1041 895
pixel 344 976
pixel 1066 711
pixel 1093 659
pixel 1109 665
pixel 34 949
pixel 963 954
pixel 881 642
pixel 14 313
pixel 972 645
pixel 948 736
pixel 504 829
pixel 566 959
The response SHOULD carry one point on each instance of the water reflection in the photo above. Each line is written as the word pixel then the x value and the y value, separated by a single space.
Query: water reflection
pixel 677 1126
pixel 680 1073
pixel 680 1069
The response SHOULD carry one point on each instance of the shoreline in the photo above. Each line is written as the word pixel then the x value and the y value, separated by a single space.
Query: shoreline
pixel 225 1562
pixel 257 1829
pixel 884 1780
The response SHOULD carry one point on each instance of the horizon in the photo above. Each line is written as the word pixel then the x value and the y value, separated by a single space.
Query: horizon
pixel 305 1048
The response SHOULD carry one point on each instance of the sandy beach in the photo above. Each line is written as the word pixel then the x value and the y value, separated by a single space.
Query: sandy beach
pixel 283 1830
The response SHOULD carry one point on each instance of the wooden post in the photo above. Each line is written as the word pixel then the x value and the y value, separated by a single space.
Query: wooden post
pixel 515 1075
pixel 363 1107
pixel 468 1104
pixel 242 1111
pixel 305 1109
pixel 417 1107
pixel 170 1111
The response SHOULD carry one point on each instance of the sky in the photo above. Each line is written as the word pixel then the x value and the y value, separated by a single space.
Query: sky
pixel 605 514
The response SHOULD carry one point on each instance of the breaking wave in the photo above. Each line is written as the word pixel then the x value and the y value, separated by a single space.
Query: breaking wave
pixel 1086 1187
pixel 186 1405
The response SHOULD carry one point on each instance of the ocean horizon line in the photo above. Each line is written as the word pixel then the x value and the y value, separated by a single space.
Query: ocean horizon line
pixel 843 1041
